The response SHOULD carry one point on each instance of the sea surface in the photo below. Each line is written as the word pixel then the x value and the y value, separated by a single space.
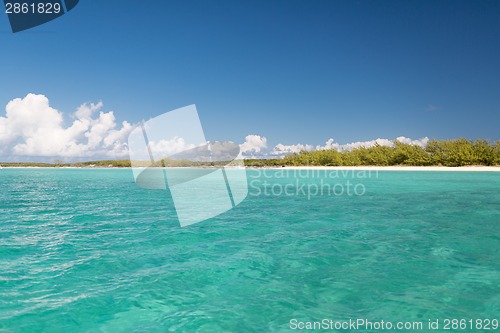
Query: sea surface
pixel 89 251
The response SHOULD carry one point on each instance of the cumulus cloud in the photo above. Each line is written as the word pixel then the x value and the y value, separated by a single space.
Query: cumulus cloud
pixel 281 150
pixel 330 144
pixel 253 144
pixel 169 147
pixel 32 127
pixel 420 142
pixel 367 144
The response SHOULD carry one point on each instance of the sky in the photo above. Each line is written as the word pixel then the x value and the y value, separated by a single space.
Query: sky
pixel 275 76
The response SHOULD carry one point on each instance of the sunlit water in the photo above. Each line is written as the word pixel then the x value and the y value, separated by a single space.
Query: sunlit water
pixel 89 251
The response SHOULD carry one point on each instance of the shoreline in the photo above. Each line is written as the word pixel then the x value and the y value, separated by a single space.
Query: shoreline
pixel 396 168
pixel 355 168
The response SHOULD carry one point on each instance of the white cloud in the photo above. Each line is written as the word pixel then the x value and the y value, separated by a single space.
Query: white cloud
pixel 253 144
pixel 32 128
pixel 85 111
pixel 420 142
pixel 367 144
pixel 330 144
pixel 169 147
pixel 280 149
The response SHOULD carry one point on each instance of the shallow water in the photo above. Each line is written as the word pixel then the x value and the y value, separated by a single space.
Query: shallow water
pixel 89 251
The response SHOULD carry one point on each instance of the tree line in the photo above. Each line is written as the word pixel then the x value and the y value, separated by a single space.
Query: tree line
pixel 453 153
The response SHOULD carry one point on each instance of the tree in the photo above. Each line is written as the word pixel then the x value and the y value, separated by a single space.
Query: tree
pixel 496 153
pixel 456 152
pixel 406 154
pixel 484 152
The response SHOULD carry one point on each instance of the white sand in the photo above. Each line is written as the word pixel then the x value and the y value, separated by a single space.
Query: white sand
pixel 374 168
pixel 397 168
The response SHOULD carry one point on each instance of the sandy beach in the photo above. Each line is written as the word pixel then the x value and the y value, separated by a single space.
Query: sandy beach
pixel 398 168
pixel 372 168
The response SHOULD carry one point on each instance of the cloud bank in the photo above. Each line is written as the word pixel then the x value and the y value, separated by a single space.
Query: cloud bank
pixel 32 128
pixel 281 150
pixel 253 144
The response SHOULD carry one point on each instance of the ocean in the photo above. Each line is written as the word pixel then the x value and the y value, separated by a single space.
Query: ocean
pixel 85 250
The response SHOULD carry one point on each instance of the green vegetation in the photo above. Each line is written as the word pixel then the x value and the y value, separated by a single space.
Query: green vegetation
pixel 453 153
pixel 118 164
pixel 61 164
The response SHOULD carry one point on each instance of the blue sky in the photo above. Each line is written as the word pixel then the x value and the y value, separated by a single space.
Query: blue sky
pixel 292 71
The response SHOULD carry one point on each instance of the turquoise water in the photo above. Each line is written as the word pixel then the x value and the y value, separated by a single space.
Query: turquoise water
pixel 89 251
